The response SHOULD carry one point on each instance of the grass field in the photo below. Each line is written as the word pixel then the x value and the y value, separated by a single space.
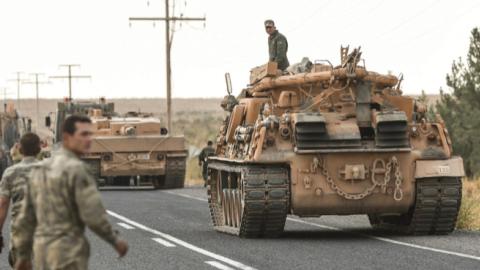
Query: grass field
pixel 469 217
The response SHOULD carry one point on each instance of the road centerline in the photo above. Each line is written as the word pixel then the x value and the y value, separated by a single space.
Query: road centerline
pixel 180 242
pixel 163 242
pixel 125 226
pixel 218 265
pixel 378 238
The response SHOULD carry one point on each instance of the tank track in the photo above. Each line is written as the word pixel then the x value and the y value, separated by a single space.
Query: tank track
pixel 437 204
pixel 435 211
pixel 263 201
pixel 174 172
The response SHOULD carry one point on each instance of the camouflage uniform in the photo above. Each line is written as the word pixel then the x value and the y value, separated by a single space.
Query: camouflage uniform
pixel 61 199
pixel 12 186
pixel 202 158
pixel 277 48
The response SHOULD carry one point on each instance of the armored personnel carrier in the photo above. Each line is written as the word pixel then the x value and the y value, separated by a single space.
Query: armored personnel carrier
pixel 331 140
pixel 130 149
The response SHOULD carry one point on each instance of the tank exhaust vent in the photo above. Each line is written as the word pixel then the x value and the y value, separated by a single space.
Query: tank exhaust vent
pixel 391 130
pixel 313 133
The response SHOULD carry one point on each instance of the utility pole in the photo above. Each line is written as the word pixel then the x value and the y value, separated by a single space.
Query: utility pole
pixel 37 83
pixel 168 46
pixel 19 82
pixel 4 94
pixel 69 76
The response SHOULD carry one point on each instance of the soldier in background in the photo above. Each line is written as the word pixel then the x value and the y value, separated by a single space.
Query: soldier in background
pixel 13 183
pixel 207 151
pixel 60 200
pixel 277 45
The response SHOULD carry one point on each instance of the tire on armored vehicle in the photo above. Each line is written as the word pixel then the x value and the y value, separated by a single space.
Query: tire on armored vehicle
pixel 331 140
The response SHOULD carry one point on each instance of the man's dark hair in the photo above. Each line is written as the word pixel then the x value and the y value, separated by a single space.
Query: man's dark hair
pixel 30 144
pixel 69 124
pixel 209 143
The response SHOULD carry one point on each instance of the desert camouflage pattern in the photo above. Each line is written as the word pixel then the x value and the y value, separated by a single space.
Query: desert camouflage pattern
pixel 12 186
pixel 60 200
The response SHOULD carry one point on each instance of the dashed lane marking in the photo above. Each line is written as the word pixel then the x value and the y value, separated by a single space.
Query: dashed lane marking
pixel 125 226
pixel 219 265
pixel 388 240
pixel 163 242
pixel 379 238
pixel 182 243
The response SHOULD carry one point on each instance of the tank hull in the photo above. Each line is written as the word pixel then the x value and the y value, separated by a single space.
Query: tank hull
pixel 145 157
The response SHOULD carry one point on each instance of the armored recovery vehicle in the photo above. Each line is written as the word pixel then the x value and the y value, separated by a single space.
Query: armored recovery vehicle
pixel 331 140
pixel 130 149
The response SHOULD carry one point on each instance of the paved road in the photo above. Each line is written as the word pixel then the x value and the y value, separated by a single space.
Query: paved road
pixel 171 230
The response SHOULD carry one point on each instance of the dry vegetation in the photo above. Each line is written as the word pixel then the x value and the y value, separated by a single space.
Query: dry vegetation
pixel 469 216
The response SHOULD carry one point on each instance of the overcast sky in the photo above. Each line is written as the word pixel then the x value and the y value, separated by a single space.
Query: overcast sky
pixel 418 38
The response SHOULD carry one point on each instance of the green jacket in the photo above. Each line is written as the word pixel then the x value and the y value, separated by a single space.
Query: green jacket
pixel 277 48
pixel 206 152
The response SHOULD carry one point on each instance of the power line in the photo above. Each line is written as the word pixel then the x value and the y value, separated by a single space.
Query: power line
pixel 19 82
pixel 69 76
pixel 37 84
pixel 168 46
pixel 3 91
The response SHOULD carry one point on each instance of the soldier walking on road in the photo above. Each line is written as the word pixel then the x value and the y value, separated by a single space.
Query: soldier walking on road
pixel 277 45
pixel 13 183
pixel 207 151
pixel 60 200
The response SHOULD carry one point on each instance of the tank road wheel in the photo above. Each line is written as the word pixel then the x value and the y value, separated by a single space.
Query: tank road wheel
pixel 437 202
pixel 250 201
pixel 174 172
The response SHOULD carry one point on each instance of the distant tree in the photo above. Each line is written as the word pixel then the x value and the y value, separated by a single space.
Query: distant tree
pixel 460 106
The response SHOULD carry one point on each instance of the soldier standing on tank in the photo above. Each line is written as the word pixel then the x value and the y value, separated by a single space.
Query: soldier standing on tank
pixel 207 151
pixel 277 45
pixel 13 183
pixel 60 200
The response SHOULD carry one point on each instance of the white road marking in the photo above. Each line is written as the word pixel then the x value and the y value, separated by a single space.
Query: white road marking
pixel 383 239
pixel 182 243
pixel 125 226
pixel 163 242
pixel 388 240
pixel 218 265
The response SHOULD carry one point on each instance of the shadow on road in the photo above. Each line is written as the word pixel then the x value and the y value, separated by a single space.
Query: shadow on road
pixel 325 235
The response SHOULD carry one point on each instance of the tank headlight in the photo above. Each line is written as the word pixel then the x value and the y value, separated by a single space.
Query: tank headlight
pixel 160 156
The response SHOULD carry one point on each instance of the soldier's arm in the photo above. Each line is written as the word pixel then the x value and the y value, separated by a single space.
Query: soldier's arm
pixel 5 192
pixel 24 227
pixel 281 50
pixel 90 206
